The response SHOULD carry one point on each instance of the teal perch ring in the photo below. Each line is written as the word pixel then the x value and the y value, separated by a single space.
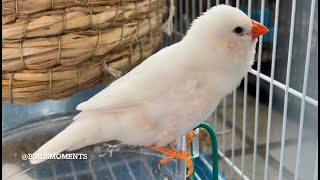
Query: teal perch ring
pixel 214 144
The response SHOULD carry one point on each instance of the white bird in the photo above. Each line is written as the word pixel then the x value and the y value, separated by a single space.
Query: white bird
pixel 172 91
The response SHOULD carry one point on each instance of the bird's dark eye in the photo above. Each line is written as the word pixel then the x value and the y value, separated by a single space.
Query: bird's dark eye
pixel 238 30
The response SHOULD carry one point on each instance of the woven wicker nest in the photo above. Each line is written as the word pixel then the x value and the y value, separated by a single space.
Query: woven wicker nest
pixel 52 54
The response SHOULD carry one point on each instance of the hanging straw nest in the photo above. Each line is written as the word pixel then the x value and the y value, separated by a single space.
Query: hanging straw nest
pixel 56 22
pixel 19 9
pixel 73 48
pixel 55 53
pixel 28 86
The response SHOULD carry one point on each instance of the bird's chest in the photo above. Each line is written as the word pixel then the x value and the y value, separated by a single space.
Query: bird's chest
pixel 229 77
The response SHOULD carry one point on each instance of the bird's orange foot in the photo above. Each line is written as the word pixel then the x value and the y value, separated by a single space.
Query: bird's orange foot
pixel 172 153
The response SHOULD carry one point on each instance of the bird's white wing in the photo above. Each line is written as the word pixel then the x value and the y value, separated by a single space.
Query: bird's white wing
pixel 152 78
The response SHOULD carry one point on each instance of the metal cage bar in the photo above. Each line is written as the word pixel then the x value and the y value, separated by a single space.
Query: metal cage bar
pixel 256 118
pixel 315 174
pixel 274 49
pixel 224 104
pixel 304 90
pixel 234 103
pixel 244 123
pixel 284 124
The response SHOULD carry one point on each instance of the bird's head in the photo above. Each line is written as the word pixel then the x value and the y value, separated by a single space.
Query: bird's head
pixel 228 29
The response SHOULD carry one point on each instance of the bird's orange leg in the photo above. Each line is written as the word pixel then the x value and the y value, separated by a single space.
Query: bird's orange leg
pixel 172 145
pixel 172 153
pixel 190 135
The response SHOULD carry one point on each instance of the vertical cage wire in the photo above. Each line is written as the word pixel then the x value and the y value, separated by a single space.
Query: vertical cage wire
pixel 224 124
pixel 200 7
pixel 315 174
pixel 234 103
pixel 187 14
pixel 181 17
pixel 233 138
pixel 73 170
pixel 284 124
pixel 92 173
pixel 244 126
pixel 256 121
pixel 54 172
pixel 273 59
pixel 175 24
pixel 224 114
pixel 304 90
pixel 208 4
pixel 244 123
pixel 234 110
pixel 148 168
pixel 193 9
pixel 215 118
pixel 129 169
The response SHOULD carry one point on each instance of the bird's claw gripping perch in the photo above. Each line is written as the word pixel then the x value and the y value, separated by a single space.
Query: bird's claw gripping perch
pixel 172 153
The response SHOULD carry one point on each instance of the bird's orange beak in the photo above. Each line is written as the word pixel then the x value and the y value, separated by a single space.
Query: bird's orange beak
pixel 258 29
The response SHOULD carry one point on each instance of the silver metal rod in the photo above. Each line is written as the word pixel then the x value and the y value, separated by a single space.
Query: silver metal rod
pixel 234 110
pixel 110 169
pixel 208 4
pixel 236 169
pixel 215 118
pixel 274 49
pixel 93 175
pixel 224 114
pixel 181 30
pixel 54 172
pixel 284 124
pixel 148 169
pixel 131 174
pixel 73 171
pixel 200 7
pixel 187 15
pixel 315 173
pixel 282 86
pixel 175 37
pixel 304 89
pixel 237 3
pixel 244 123
pixel 193 9
pixel 249 8
pixel 256 118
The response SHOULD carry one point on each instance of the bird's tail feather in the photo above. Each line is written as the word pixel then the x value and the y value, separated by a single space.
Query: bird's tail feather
pixel 70 138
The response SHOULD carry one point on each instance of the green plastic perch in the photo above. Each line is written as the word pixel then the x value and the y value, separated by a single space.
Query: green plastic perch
pixel 214 143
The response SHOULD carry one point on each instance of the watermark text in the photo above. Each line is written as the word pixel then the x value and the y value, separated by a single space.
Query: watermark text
pixel 54 156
